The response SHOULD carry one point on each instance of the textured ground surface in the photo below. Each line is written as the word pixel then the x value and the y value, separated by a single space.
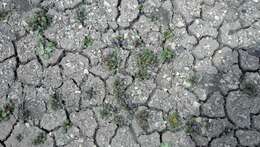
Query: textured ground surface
pixel 129 73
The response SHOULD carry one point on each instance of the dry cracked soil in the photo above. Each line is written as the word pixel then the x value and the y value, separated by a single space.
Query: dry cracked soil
pixel 129 73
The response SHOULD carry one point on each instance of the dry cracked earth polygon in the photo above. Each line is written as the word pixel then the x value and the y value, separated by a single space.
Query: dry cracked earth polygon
pixel 130 73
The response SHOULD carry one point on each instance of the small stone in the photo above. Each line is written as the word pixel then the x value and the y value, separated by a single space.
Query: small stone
pixel 30 73
pixel 162 100
pixel 53 120
pixel 224 141
pixel 248 62
pixel 129 11
pixel 177 139
pixel 248 138
pixel 85 121
pixel 206 48
pixel 74 66
pixel 104 134
pixel 123 138
pixel 256 121
pixel 152 140
pixel 214 107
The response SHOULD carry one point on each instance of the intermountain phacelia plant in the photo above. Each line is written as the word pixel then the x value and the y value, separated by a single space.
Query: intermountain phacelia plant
pixel 55 102
pixel 3 15
pixel 66 125
pixel 81 15
pixel 39 21
pixel 165 145
pixel 167 55
pixel 113 61
pixel 45 47
pixel 6 111
pixel 249 88
pixel 167 34
pixel 88 41
pixel 106 110
pixel 40 139
pixel 142 119
pixel 174 120
pixel 19 137
pixel 193 126
pixel 119 120
pixel 145 59
pixel 119 92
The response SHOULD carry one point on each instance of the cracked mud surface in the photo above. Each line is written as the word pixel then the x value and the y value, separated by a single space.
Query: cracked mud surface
pixel 130 73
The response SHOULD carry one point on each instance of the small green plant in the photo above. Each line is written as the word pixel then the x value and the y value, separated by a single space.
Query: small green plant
pixel 138 43
pixel 141 8
pixel 113 61
pixel 119 37
pixel 118 88
pixel 106 111
pixel 193 126
pixel 55 103
pixel 144 60
pixel 119 120
pixel 19 137
pixel 40 139
pixel 193 80
pixel 3 115
pixel 88 41
pixel 89 93
pixel 154 18
pixel 249 88
pixel 45 47
pixel 142 119
pixel 39 21
pixel 119 41
pixel 167 55
pixel 26 114
pixel 165 145
pixel 67 124
pixel 174 120
pixel 167 34
pixel 6 112
pixel 147 57
pixel 81 15
pixel 3 15
pixel 119 92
